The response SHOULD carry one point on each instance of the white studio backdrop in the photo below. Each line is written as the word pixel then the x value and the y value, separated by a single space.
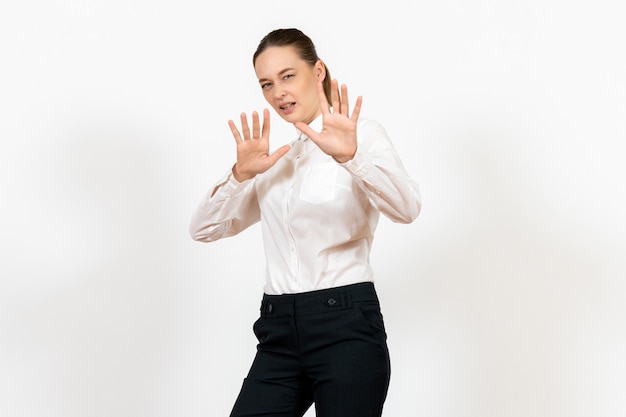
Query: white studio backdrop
pixel 505 298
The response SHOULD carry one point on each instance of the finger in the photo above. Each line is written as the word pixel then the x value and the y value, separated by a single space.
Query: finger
pixel 244 126
pixel 357 109
pixel 344 100
pixel 334 94
pixel 304 128
pixel 266 123
pixel 234 131
pixel 322 97
pixel 270 160
pixel 256 128
pixel 279 153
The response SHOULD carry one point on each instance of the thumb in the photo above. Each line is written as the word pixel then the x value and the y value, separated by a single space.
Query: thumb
pixel 278 153
pixel 304 128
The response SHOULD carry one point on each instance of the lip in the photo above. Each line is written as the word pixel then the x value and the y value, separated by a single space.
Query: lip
pixel 287 108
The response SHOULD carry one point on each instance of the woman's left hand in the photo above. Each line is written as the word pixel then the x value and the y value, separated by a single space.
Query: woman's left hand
pixel 338 135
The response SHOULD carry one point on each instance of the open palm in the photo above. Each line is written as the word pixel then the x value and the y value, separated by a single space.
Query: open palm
pixel 253 150
pixel 338 135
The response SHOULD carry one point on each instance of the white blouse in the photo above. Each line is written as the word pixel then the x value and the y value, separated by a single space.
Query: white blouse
pixel 318 216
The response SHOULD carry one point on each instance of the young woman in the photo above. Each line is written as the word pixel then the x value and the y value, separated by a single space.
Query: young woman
pixel 321 334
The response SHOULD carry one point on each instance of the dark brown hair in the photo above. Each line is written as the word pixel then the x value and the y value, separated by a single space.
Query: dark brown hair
pixel 301 43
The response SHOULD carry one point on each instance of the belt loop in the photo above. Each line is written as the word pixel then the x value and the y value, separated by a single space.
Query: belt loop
pixel 347 297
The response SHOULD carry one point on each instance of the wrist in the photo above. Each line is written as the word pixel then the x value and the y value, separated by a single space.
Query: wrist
pixel 344 159
pixel 239 176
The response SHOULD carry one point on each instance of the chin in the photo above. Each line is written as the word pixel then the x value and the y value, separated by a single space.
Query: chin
pixel 291 118
pixel 286 118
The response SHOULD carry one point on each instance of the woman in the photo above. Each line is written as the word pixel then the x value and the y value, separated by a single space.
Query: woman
pixel 321 334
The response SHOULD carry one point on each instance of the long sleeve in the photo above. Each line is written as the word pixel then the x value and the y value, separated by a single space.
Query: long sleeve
pixel 227 209
pixel 378 171
pixel 318 217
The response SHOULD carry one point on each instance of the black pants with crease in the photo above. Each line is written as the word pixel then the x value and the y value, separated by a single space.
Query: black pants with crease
pixel 325 347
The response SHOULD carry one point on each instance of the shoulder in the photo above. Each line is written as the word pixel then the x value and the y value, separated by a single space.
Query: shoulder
pixel 365 122
pixel 369 129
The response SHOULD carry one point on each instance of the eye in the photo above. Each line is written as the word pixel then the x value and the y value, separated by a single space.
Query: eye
pixel 287 76
pixel 265 85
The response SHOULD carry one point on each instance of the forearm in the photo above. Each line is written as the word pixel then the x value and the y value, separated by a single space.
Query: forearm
pixel 377 169
pixel 227 209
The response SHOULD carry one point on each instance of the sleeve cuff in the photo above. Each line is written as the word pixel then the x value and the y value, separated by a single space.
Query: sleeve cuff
pixel 359 165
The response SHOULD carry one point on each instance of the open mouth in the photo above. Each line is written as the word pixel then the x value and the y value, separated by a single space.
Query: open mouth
pixel 287 106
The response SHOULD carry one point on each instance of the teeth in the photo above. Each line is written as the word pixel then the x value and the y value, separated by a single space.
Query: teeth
pixel 286 106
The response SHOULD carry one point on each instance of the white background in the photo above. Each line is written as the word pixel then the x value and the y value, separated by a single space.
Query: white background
pixel 505 298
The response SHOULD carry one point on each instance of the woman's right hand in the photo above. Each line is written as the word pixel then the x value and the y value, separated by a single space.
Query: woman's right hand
pixel 253 151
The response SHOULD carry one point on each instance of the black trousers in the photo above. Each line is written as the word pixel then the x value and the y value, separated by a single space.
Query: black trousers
pixel 326 347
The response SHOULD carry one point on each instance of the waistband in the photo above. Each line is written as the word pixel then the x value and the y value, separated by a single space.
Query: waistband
pixel 319 301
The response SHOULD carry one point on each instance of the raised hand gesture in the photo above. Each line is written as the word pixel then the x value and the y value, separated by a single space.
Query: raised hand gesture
pixel 253 151
pixel 338 135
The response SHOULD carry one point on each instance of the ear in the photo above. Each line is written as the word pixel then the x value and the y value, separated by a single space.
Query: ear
pixel 320 70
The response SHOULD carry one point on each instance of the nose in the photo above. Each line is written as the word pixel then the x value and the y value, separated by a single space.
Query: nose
pixel 279 93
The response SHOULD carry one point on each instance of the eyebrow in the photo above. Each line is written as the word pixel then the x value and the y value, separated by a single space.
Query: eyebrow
pixel 261 80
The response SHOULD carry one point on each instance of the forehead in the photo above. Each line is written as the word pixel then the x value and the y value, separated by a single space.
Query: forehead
pixel 275 59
